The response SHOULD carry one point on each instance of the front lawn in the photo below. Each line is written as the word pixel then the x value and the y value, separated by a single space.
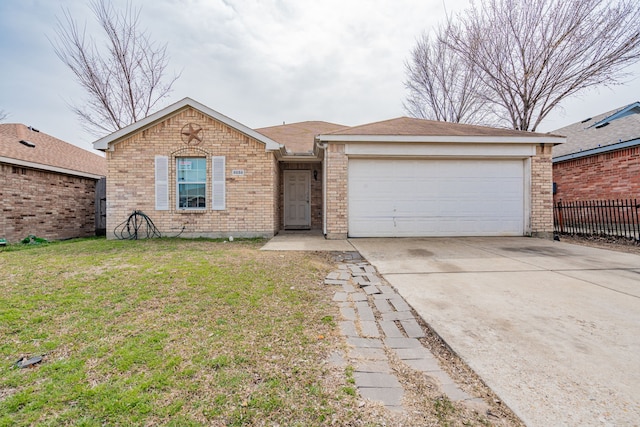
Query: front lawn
pixel 169 332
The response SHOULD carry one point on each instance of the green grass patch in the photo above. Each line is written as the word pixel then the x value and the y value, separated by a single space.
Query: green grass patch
pixel 170 332
pixel 444 411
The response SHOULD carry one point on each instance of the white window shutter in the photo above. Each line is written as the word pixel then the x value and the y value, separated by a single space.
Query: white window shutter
pixel 162 183
pixel 218 193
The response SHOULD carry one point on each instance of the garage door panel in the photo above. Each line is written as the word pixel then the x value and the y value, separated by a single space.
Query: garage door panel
pixel 435 197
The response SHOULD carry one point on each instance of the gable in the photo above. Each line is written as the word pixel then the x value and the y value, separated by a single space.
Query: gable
pixel 186 104
pixel 187 129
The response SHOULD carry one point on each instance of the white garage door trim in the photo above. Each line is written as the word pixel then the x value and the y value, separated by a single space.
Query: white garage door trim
pixel 437 197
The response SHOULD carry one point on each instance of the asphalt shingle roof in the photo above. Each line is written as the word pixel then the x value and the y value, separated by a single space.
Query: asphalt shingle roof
pixel 407 126
pixel 47 151
pixel 590 133
pixel 299 137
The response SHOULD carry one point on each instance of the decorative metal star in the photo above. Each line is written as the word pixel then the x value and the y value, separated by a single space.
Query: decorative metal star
pixel 191 133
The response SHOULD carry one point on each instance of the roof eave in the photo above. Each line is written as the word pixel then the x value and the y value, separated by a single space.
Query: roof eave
pixel 49 168
pixel 300 158
pixel 283 155
pixel 107 142
pixel 597 150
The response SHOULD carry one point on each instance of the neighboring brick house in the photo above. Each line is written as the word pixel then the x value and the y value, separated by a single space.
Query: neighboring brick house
pixel 47 186
pixel 601 158
pixel 192 169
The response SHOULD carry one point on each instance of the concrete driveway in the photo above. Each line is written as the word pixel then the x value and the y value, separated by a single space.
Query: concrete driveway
pixel 552 328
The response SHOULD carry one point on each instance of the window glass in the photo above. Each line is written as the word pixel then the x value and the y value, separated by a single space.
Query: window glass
pixel 192 182
pixel 192 169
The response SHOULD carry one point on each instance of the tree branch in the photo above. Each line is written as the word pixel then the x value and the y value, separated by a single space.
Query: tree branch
pixel 123 76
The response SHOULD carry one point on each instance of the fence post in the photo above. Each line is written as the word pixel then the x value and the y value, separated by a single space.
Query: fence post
pixel 636 220
pixel 560 222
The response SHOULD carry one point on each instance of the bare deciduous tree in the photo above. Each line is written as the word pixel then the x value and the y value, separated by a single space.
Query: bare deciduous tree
pixel 442 86
pixel 531 55
pixel 123 74
pixel 3 115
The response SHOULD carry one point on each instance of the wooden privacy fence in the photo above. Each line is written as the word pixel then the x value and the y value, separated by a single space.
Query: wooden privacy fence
pixel 620 218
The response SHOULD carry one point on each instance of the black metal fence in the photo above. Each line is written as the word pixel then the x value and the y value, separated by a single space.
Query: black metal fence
pixel 620 218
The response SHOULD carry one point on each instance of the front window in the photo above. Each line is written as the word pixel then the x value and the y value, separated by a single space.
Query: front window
pixel 192 182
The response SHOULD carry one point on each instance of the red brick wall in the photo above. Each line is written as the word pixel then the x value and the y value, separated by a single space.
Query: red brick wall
pixel 46 204
pixel 606 176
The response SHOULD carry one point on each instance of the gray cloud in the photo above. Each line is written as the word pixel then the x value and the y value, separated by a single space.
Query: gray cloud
pixel 259 62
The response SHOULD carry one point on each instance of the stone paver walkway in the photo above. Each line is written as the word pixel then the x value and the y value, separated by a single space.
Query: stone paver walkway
pixel 360 294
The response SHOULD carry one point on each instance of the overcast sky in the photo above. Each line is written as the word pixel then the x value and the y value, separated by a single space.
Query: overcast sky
pixel 260 62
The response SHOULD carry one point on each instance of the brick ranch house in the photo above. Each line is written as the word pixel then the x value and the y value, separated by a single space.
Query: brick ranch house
pixel 47 186
pixel 190 167
pixel 601 158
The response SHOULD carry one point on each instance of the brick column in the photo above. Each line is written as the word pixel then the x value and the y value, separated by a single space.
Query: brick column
pixel 542 193
pixel 337 225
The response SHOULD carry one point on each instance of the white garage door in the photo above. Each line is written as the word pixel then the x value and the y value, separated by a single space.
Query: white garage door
pixel 395 198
